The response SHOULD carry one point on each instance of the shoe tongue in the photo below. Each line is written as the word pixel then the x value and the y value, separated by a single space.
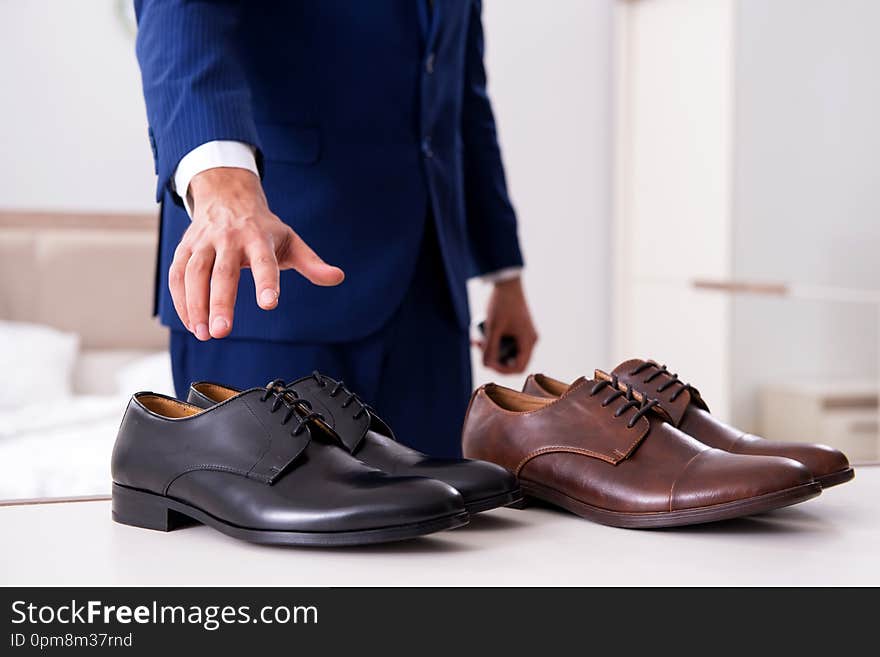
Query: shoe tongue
pixel 675 409
pixel 613 379
pixel 351 430
pixel 290 401
pixel 628 366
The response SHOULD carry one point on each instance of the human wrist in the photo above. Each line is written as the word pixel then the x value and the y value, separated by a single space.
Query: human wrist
pixel 503 274
pixel 210 155
pixel 229 185
pixel 509 285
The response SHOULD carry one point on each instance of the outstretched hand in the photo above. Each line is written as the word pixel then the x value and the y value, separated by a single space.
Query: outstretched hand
pixel 232 228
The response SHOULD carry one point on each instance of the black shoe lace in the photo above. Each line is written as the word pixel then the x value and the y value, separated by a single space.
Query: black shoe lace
pixel 299 409
pixel 339 387
pixel 673 379
pixel 643 407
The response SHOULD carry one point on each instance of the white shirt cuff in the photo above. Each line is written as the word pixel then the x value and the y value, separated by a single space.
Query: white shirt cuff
pixel 506 274
pixel 210 155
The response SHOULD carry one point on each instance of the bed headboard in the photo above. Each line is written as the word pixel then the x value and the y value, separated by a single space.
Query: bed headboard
pixel 90 274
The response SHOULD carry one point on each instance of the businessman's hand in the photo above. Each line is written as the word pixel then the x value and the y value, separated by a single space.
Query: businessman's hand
pixel 232 227
pixel 508 314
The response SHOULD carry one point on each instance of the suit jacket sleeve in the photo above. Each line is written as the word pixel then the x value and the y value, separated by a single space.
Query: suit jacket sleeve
pixel 490 215
pixel 193 83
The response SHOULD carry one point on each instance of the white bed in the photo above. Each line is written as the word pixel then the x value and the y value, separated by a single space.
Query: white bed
pixel 74 345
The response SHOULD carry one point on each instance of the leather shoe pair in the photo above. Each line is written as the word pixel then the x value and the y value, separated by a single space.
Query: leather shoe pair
pixel 616 457
pixel 686 409
pixel 367 437
pixel 263 466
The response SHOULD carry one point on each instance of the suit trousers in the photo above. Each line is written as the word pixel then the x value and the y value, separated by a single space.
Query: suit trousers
pixel 415 370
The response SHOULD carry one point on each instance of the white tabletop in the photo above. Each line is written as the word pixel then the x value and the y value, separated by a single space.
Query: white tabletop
pixel 834 539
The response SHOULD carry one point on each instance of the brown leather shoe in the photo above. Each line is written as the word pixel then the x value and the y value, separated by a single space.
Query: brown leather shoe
pixel 687 410
pixel 617 460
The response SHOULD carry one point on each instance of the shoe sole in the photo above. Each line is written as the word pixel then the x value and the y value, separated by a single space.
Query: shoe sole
pixel 836 478
pixel 510 498
pixel 656 520
pixel 150 511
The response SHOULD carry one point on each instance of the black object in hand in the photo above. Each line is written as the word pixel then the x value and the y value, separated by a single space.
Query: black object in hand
pixel 508 349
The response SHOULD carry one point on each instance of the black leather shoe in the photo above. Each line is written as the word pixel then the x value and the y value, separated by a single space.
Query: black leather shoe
pixel 263 467
pixel 483 485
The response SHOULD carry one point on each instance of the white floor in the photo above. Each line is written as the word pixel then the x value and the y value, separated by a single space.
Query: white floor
pixel 834 539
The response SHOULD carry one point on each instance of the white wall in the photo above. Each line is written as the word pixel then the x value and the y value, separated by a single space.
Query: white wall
pixel 673 189
pixel 74 137
pixel 748 141
pixel 73 134
pixel 550 77
pixel 807 199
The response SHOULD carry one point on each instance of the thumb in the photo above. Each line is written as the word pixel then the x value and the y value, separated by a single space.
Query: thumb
pixel 299 256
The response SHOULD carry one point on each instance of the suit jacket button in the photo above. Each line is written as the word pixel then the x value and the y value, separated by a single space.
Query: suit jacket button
pixel 426 147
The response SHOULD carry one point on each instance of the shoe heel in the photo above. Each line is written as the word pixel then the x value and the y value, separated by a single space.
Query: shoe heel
pixel 139 509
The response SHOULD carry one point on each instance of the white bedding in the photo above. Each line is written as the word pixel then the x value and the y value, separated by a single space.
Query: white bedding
pixel 60 446
pixel 59 449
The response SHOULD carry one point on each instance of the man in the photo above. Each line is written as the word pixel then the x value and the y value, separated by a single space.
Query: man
pixel 286 133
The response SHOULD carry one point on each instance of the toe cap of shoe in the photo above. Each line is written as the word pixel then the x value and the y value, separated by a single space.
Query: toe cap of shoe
pixel 718 477
pixel 475 480
pixel 820 460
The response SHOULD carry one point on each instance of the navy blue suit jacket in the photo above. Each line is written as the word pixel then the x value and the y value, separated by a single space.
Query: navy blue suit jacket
pixel 364 115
